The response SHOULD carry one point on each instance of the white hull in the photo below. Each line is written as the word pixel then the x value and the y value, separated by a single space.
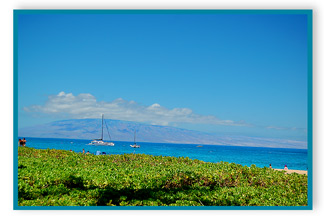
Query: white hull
pixel 134 146
pixel 101 143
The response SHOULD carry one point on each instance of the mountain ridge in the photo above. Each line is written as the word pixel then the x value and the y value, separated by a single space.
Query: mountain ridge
pixel 124 131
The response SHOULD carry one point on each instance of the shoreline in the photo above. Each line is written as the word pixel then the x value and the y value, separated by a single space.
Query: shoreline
pixel 303 172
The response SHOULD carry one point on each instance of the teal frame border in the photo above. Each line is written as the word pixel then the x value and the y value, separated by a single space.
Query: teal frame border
pixel 308 13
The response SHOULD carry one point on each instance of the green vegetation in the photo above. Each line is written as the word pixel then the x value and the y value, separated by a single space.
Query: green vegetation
pixel 63 178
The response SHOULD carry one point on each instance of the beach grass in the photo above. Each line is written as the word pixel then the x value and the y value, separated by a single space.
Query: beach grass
pixel 63 178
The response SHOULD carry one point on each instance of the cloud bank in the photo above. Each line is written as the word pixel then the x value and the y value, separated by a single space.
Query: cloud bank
pixel 86 106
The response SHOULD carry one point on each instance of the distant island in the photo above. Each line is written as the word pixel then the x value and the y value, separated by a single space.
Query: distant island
pixel 124 131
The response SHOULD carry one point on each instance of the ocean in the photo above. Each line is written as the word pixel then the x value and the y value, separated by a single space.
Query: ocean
pixel 246 156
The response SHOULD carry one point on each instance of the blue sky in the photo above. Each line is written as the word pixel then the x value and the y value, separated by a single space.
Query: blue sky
pixel 223 73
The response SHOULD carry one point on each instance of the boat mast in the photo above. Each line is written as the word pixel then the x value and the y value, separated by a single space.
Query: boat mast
pixel 102 127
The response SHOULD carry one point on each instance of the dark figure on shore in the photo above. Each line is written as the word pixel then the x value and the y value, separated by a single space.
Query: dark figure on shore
pixel 20 142
pixel 24 140
pixel 286 168
pixel 83 151
pixel 87 152
pixel 270 166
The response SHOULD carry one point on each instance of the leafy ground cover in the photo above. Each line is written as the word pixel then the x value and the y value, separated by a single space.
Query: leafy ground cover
pixel 63 178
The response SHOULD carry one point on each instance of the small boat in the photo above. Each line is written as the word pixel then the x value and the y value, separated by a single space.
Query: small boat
pixel 135 145
pixel 100 141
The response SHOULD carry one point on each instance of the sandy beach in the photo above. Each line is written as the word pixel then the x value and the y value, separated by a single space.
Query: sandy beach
pixel 294 171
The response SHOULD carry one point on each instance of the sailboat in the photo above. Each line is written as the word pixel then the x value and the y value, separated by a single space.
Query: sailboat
pixel 101 141
pixel 135 145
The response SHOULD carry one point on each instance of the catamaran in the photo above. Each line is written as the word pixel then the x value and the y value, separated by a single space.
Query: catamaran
pixel 135 145
pixel 101 141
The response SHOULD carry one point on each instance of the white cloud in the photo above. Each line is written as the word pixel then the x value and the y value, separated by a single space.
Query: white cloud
pixel 287 128
pixel 86 106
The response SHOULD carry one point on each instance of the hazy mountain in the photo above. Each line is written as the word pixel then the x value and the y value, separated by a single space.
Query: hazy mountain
pixel 124 131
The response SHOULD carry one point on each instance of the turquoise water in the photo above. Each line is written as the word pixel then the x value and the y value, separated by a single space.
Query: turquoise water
pixel 278 158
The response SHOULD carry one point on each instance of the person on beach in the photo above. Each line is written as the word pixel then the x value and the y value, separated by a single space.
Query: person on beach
pixel 24 141
pixel 20 142
pixel 87 152
pixel 83 151
pixel 286 168
pixel 270 166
